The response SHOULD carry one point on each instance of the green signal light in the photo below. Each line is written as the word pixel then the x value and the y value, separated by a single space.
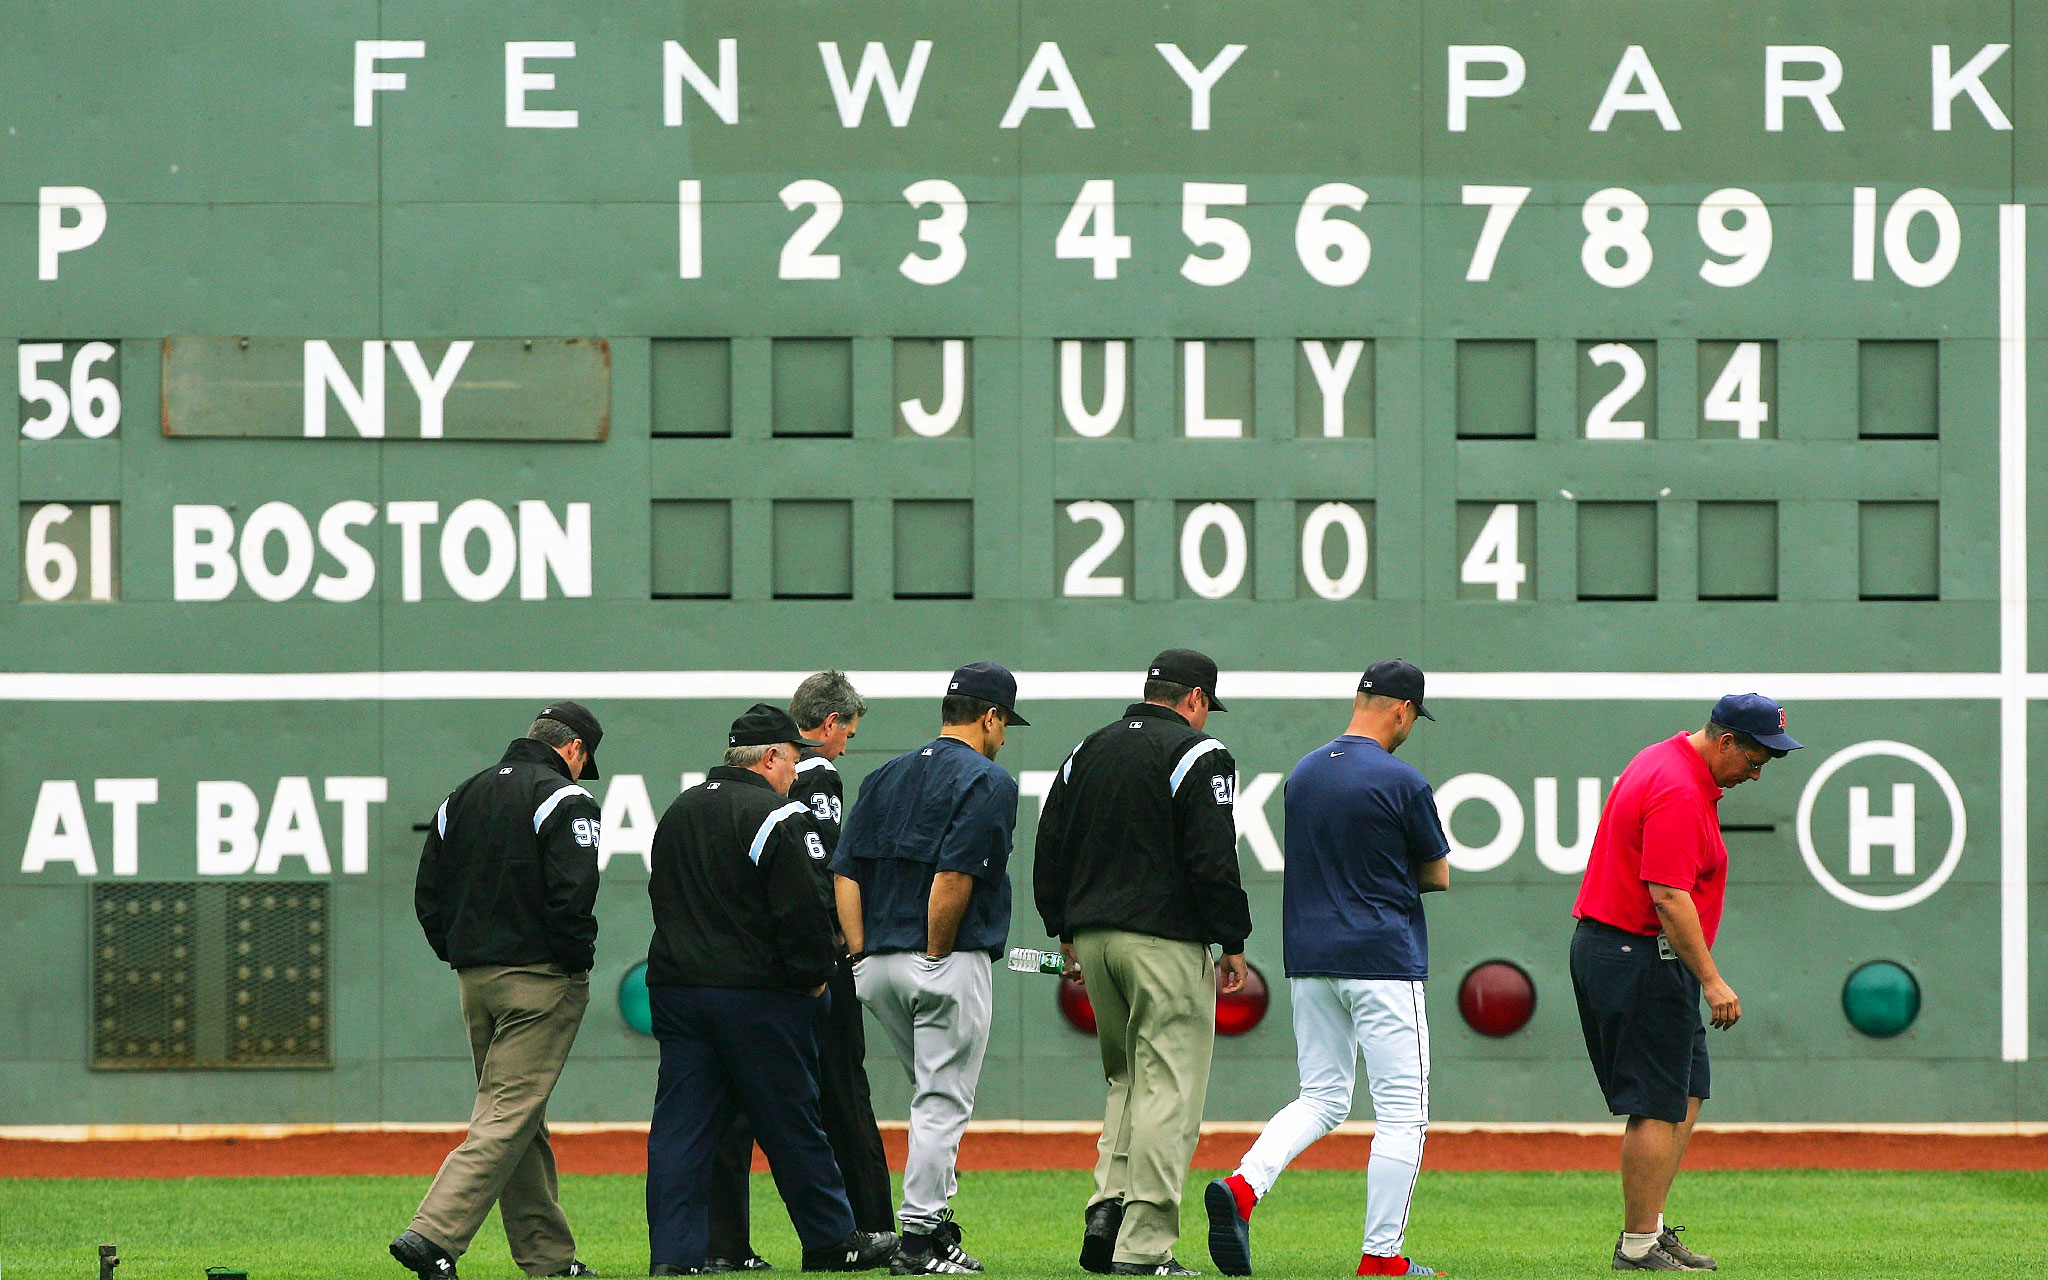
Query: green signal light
pixel 1881 998
pixel 633 1005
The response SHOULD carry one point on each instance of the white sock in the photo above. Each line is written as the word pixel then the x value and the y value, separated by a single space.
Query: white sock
pixel 1635 1247
pixel 1660 1224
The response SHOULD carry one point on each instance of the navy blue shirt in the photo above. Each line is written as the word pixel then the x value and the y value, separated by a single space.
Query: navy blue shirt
pixel 1358 824
pixel 941 807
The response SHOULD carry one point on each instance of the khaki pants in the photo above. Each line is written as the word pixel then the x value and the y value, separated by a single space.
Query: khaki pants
pixel 522 1021
pixel 1155 1021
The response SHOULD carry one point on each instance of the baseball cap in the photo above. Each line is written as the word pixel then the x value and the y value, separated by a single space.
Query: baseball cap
pixel 1190 667
pixel 1757 716
pixel 991 682
pixel 763 724
pixel 577 717
pixel 1395 678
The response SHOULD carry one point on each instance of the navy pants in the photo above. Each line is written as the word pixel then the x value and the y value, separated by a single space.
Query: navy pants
pixel 724 1048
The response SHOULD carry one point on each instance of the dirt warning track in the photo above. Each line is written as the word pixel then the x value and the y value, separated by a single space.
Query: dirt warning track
pixel 625 1151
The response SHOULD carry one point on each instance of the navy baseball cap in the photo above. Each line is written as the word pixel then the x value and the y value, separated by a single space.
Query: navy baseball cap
pixel 991 682
pixel 577 717
pixel 764 724
pixel 1757 716
pixel 1189 667
pixel 1395 678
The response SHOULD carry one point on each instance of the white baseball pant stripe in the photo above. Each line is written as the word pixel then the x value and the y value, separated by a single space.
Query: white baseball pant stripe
pixel 1337 1021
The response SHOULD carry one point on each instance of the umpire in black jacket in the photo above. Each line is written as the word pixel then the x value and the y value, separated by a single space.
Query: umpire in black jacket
pixel 506 885
pixel 1135 873
pixel 743 946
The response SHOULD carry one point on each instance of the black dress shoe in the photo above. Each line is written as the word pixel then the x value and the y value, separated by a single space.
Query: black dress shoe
pixel 423 1257
pixel 752 1262
pixel 1166 1268
pixel 1105 1219
pixel 577 1268
pixel 861 1251
pixel 669 1269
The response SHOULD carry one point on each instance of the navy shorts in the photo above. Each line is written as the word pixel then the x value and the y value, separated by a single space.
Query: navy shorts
pixel 1641 1016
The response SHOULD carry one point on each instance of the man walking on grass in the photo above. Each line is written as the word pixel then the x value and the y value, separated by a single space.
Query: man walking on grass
pixel 1642 955
pixel 1363 845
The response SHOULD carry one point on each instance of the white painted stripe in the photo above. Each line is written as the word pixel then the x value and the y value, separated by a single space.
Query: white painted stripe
pixel 441 818
pixel 815 762
pixel 547 806
pixel 1187 762
pixel 768 825
pixel 1050 686
pixel 2012 629
pixel 1244 1128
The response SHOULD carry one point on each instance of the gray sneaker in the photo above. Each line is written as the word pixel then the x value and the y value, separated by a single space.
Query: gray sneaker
pixel 1697 1261
pixel 1657 1259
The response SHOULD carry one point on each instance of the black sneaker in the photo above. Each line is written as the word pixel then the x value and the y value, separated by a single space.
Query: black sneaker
pixel 935 1254
pixel 423 1257
pixel 752 1262
pixel 670 1269
pixel 1105 1218
pixel 1230 1236
pixel 861 1251
pixel 1166 1268
pixel 577 1268
pixel 1697 1261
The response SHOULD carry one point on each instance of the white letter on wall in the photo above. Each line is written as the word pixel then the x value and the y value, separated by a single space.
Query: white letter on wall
pixel 897 98
pixel 519 82
pixel 1948 87
pixel 722 97
pixel 293 830
pixel 1034 94
pixel 1647 93
pixel 1777 88
pixel 1199 80
pixel 547 547
pixel 355 796
pixel 227 813
pixel 57 832
pixel 125 796
pixel 370 81
pixel 1463 88
pixel 53 237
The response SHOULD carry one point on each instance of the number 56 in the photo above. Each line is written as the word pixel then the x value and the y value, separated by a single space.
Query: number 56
pixel 93 404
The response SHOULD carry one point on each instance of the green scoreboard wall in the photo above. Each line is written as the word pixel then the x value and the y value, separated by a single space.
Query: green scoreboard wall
pixel 383 370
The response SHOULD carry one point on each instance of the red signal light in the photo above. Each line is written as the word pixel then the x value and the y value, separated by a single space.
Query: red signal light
pixel 1236 1014
pixel 1074 1007
pixel 1497 998
pixel 1242 1010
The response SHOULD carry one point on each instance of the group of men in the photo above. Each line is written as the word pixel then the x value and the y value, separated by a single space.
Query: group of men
pixel 780 912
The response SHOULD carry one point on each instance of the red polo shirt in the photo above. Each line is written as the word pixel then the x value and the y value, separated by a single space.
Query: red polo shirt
pixel 1661 824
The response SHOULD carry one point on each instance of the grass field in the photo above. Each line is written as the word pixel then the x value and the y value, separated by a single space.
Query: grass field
pixel 1482 1226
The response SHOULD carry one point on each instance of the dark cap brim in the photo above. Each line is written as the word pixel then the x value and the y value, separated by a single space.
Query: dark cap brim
pixel 1010 717
pixel 1780 742
pixel 1215 703
pixel 1423 711
pixel 589 763
pixel 806 742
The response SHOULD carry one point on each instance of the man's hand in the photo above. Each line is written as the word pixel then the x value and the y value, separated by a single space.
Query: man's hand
pixel 1073 969
pixel 816 991
pixel 1232 967
pixel 1722 1000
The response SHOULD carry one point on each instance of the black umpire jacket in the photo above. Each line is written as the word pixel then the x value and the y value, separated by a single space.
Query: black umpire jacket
pixel 737 899
pixel 509 872
pixel 1138 833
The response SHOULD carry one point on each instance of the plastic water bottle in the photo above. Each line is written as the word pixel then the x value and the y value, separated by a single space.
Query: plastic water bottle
pixel 1032 960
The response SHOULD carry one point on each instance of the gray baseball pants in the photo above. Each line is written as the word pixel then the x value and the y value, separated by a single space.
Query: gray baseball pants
pixel 936 1014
